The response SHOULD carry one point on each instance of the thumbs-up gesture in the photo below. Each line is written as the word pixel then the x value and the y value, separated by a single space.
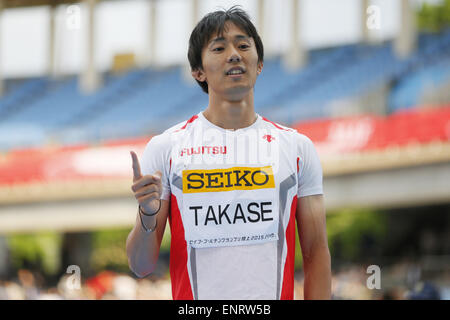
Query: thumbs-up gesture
pixel 147 189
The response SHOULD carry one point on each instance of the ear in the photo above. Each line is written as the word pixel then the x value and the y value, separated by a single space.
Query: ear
pixel 259 67
pixel 199 75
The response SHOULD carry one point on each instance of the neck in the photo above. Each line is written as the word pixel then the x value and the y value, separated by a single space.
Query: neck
pixel 230 114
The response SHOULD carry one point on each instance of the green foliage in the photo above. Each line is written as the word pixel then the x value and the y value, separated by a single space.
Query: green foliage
pixel 108 250
pixel 347 231
pixel 298 264
pixel 165 242
pixel 350 227
pixel 38 250
pixel 434 17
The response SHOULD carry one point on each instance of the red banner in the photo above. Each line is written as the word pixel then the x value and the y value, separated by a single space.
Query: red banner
pixel 367 132
pixel 330 136
pixel 110 160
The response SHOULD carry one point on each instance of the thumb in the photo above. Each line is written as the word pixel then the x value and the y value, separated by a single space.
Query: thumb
pixel 136 167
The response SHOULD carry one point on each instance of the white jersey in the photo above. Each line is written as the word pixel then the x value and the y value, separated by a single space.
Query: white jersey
pixel 233 196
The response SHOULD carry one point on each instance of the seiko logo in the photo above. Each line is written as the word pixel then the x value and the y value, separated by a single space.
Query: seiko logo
pixel 236 178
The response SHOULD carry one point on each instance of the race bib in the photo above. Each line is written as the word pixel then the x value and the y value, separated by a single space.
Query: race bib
pixel 229 207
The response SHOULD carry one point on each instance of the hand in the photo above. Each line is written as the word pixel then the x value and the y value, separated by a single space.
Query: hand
pixel 147 189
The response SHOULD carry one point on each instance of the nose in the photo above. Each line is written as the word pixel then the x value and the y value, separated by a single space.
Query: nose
pixel 234 56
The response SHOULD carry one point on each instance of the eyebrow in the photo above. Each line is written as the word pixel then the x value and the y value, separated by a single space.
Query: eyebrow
pixel 222 39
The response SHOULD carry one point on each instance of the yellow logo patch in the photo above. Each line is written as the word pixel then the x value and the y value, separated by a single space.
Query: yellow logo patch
pixel 236 178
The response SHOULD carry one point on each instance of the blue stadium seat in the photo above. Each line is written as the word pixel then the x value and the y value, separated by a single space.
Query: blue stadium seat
pixel 147 101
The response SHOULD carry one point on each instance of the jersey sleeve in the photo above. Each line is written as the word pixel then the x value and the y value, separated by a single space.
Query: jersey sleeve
pixel 156 157
pixel 310 177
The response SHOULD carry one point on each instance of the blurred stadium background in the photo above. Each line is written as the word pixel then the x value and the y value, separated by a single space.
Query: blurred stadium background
pixel 84 82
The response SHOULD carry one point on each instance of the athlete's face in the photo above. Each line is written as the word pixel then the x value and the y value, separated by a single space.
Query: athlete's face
pixel 230 64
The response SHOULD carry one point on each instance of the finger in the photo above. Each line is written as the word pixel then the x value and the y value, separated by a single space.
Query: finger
pixel 157 175
pixel 136 167
pixel 148 197
pixel 147 190
pixel 144 181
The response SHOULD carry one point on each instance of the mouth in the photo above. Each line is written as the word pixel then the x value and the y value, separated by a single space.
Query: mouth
pixel 235 71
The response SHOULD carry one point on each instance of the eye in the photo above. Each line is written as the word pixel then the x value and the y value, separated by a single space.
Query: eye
pixel 218 49
pixel 244 46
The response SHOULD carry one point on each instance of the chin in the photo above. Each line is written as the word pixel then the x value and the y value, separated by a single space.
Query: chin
pixel 237 93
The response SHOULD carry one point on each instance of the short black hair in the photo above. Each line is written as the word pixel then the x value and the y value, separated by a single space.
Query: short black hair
pixel 212 23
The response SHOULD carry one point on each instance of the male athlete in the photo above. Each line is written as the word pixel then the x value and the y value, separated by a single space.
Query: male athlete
pixel 231 183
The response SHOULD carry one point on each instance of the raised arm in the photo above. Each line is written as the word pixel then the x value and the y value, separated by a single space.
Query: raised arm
pixel 312 231
pixel 143 247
